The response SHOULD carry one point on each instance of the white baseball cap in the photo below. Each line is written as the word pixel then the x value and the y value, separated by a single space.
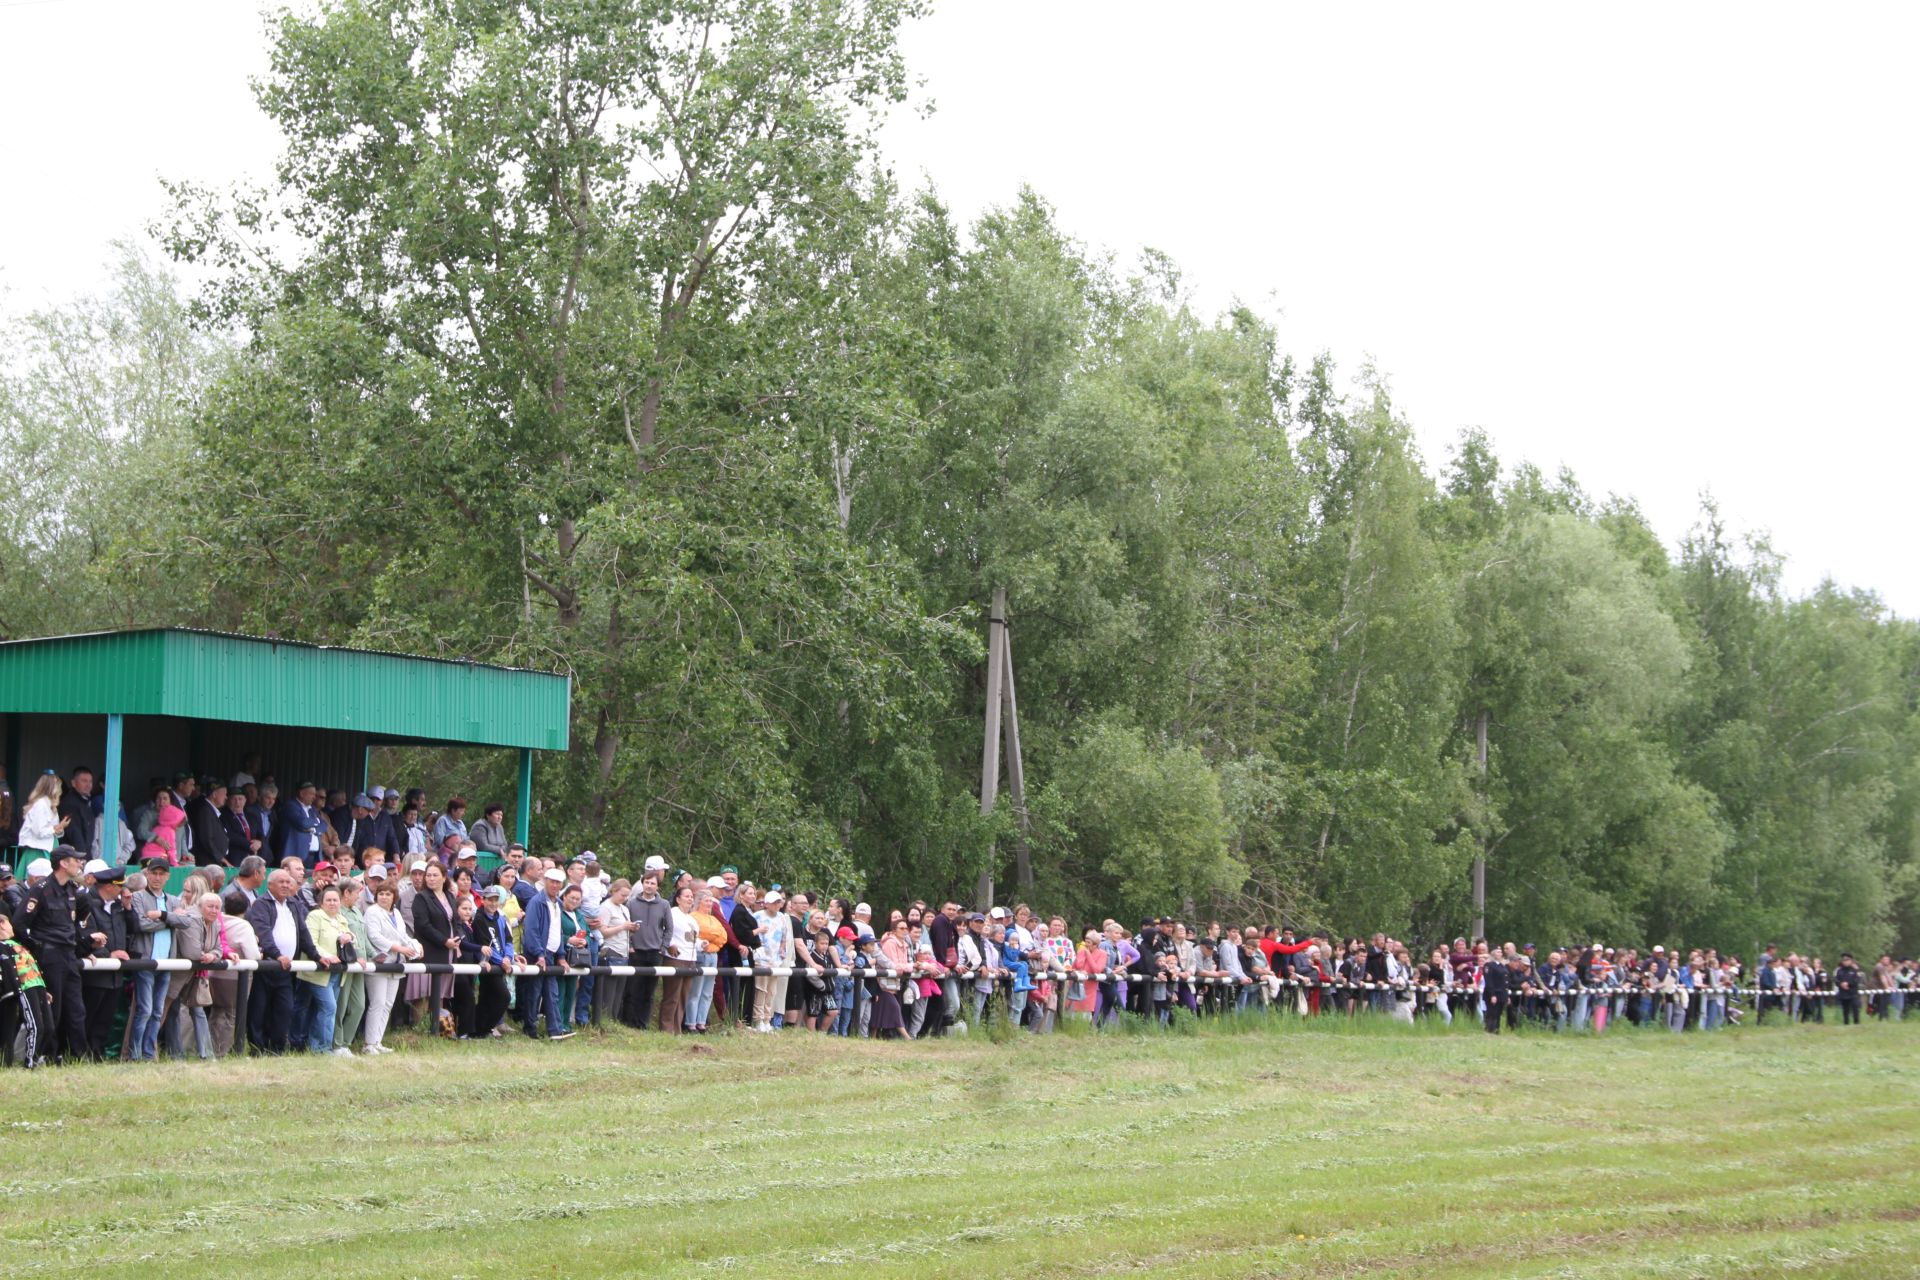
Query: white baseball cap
pixel 656 863
pixel 94 868
pixel 378 871
pixel 39 867
pixel 555 874
pixel 863 910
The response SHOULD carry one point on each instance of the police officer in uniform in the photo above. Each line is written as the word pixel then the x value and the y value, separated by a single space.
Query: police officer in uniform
pixel 103 912
pixel 49 923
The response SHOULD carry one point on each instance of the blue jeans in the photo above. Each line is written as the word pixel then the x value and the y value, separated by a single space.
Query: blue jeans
pixel 843 997
pixel 700 991
pixel 321 1002
pixel 149 1005
pixel 549 1000
pixel 302 1016
pixel 583 1002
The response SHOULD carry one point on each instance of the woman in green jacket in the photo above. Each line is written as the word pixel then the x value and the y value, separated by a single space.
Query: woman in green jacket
pixel 326 926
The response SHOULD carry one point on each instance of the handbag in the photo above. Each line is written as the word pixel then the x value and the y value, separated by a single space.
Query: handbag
pixel 202 995
pixel 579 957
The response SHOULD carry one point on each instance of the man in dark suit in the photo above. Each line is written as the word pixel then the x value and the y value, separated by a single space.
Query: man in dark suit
pixel 1498 983
pixel 283 939
pixel 204 815
pixel 76 806
pixel 242 839
pixel 260 818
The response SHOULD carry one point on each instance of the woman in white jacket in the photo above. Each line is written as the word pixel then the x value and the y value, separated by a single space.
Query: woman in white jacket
pixel 41 826
pixel 392 940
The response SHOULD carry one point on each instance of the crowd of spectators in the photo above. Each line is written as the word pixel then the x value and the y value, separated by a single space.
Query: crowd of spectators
pixel 312 886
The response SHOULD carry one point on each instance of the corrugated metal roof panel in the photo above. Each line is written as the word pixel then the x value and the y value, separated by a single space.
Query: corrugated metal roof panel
pixel 216 676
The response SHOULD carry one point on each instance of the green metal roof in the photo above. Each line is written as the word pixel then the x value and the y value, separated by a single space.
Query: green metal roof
pixel 209 675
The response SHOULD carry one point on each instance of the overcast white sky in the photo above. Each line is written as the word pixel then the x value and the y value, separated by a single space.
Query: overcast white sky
pixel 1671 246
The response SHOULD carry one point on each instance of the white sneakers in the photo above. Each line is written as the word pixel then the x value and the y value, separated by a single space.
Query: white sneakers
pixel 343 1052
pixel 367 1051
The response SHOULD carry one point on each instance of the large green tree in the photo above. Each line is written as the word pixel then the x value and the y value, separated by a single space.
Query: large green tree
pixel 500 400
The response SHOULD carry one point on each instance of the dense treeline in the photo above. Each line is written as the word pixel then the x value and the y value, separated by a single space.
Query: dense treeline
pixel 604 343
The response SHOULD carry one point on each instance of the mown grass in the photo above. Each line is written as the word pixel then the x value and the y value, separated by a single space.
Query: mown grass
pixel 1311 1150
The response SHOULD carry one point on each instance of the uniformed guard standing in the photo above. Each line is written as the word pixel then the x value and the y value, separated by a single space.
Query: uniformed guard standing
pixel 103 918
pixel 49 923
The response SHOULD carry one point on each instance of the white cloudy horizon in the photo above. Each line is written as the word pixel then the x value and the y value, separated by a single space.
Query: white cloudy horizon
pixel 1668 248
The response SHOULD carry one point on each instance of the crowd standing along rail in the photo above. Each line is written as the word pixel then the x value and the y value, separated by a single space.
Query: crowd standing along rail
pixel 339 923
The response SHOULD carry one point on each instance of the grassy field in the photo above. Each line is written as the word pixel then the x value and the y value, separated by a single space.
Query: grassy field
pixel 1323 1151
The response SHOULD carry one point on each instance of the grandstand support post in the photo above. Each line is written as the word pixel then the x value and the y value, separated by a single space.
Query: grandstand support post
pixel 523 801
pixel 990 753
pixel 1016 770
pixel 109 825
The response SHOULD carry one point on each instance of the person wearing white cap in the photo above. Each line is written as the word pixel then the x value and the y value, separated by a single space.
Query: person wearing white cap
pixel 543 944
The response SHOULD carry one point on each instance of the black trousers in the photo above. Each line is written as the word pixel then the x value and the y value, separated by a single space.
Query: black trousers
pixel 25 1019
pixel 67 1031
pixel 527 1002
pixel 639 998
pixel 1849 1010
pixel 101 1002
pixel 273 988
pixel 1494 1007
pixel 462 1005
pixel 491 1006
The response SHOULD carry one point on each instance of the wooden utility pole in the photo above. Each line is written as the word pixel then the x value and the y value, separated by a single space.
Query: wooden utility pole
pixel 990 755
pixel 1480 858
pixel 1016 771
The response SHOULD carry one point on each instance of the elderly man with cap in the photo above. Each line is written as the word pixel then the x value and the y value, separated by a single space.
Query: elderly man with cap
pixel 105 912
pixel 49 921
pixel 543 944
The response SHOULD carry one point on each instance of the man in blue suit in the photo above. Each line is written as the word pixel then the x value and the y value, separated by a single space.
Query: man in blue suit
pixel 297 824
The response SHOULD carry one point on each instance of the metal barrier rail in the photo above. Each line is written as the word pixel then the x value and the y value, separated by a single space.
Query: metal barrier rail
pixel 965 975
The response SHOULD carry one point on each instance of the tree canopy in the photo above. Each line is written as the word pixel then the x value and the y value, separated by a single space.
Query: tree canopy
pixel 598 337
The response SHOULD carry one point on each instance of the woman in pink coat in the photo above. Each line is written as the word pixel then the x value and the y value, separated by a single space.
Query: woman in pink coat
pixel 167 821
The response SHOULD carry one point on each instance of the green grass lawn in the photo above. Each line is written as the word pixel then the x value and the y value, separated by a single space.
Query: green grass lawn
pixel 1290 1150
